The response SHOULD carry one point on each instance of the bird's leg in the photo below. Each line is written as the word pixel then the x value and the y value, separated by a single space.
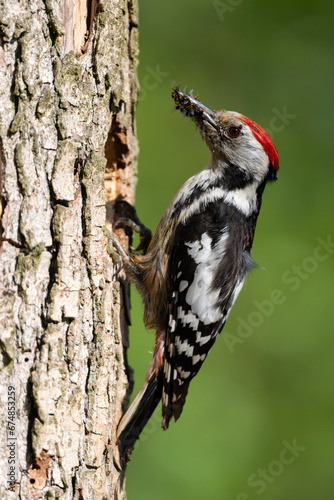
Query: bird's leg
pixel 119 256
pixel 130 219
pixel 145 234
pixel 115 250
pixel 126 217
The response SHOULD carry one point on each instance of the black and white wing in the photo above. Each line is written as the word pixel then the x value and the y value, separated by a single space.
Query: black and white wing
pixel 207 270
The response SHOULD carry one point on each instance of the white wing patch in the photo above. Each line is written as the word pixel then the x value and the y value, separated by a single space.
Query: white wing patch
pixel 172 323
pixel 184 347
pixel 167 371
pixel 183 285
pixel 200 295
pixel 202 340
pixel 187 318
pixel 198 357
pixel 183 373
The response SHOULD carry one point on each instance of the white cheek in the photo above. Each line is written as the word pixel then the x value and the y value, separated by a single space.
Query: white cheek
pixel 252 157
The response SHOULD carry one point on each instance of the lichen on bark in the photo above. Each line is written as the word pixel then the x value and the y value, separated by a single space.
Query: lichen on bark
pixel 68 148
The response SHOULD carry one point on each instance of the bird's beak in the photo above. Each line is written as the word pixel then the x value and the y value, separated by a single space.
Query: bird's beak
pixel 190 106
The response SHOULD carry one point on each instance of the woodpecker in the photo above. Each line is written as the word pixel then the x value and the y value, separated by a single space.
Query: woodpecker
pixel 198 259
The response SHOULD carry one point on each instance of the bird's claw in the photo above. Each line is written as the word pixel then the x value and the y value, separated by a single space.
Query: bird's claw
pixel 115 250
pixel 145 234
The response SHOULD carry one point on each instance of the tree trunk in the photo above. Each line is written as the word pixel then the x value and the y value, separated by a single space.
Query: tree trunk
pixel 68 148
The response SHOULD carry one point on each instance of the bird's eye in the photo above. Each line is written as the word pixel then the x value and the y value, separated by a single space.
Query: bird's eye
pixel 234 131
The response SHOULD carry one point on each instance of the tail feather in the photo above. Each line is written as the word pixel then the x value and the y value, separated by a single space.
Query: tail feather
pixel 136 417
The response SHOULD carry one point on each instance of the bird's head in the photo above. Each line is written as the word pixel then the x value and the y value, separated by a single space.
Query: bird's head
pixel 236 142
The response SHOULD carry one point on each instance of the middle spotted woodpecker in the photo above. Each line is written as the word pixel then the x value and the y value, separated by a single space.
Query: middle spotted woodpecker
pixel 198 259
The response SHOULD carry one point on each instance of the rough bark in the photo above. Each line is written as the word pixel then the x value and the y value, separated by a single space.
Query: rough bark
pixel 68 148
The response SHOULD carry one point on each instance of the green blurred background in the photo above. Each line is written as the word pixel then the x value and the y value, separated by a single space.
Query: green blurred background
pixel 268 382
